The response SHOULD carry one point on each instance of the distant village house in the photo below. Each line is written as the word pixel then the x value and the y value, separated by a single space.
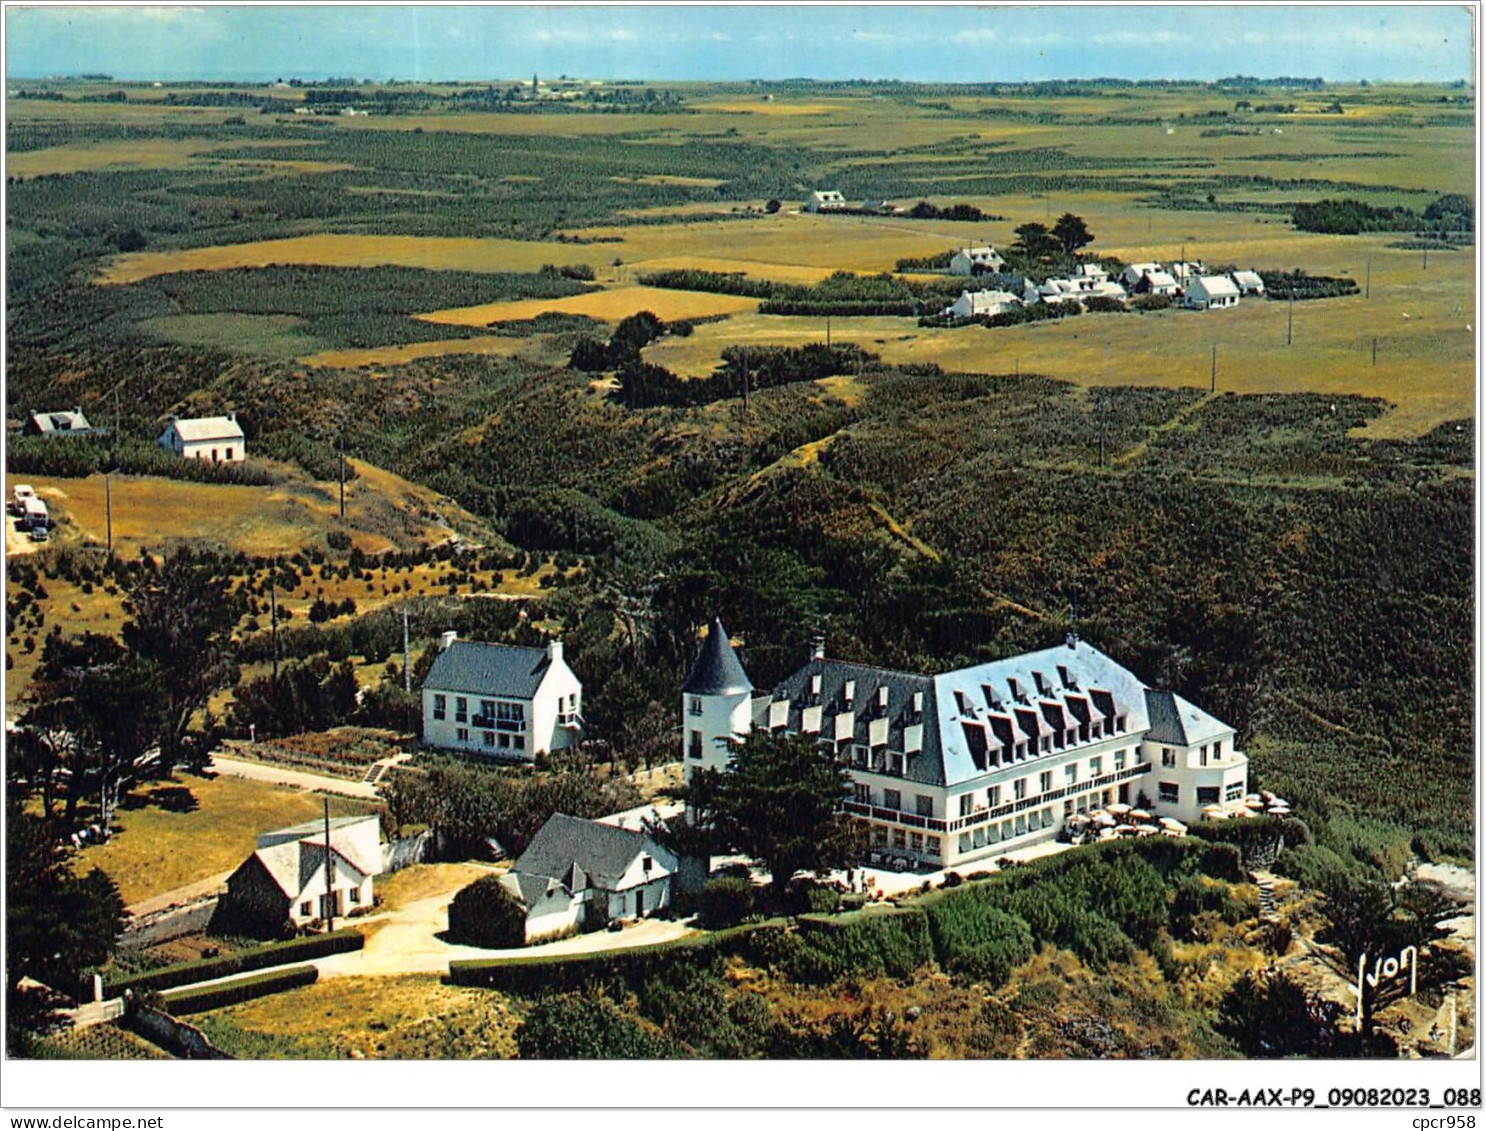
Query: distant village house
pixel 72 423
pixel 825 200
pixel 976 261
pixel 215 438
pixel 1212 292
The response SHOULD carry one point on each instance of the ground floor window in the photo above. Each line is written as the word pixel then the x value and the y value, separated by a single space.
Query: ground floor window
pixel 1168 792
pixel 879 835
pixel 350 895
pixel 1207 795
pixel 964 842
pixel 980 836
pixel 931 845
pixel 1234 791
pixel 916 841
pixel 487 737
pixel 900 839
pixel 462 734
pixel 307 907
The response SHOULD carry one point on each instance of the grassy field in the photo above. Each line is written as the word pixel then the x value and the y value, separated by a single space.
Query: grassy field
pixel 606 305
pixel 383 512
pixel 177 832
pixel 412 1016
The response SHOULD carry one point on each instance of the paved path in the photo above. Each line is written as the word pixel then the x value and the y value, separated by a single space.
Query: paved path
pixel 300 779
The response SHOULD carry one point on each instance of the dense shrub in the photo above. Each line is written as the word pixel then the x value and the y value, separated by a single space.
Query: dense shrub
pixel 486 914
pixel 83 456
pixel 198 1000
pixel 581 1027
pixel 863 944
pixel 273 954
pixel 974 938
pixel 726 901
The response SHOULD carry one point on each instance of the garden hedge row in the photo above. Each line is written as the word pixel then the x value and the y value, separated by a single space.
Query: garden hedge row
pixel 239 989
pixel 565 973
pixel 206 969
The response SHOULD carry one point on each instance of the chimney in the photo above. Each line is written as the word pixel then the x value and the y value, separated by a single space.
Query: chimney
pixel 817 647
pixel 232 416
pixel 1071 640
pixel 554 652
pixel 447 639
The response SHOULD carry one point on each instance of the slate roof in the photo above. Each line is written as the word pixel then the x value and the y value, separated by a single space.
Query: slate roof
pixel 1179 723
pixel 293 864
pixel 201 428
pixel 476 668
pixel 604 852
pixel 717 670
pixel 971 715
pixel 49 422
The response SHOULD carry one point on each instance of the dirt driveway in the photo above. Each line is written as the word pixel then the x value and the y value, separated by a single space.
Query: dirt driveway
pixel 406 942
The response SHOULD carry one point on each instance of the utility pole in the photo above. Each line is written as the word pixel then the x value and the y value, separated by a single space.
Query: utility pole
pixel 828 331
pixel 273 613
pixel 1426 258
pixel 329 876
pixel 407 672
pixel 1367 290
pixel 1375 351
pixel 108 510
pixel 341 463
pixel 745 382
pixel 1213 386
pixel 1290 320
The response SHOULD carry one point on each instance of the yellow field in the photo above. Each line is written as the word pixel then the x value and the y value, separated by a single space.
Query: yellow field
pixel 607 305
pixel 400 355
pixel 382 512
pixel 147 153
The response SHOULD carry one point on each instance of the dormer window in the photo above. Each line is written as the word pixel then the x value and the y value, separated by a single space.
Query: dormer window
pixel 882 698
pixel 849 692
pixel 918 703
pixel 645 864
pixel 815 685
pixel 1042 688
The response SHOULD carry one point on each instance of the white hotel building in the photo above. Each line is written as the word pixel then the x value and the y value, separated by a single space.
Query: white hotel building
pixel 959 767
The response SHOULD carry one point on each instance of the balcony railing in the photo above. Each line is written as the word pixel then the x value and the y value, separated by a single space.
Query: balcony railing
pixel 896 816
pixel 984 815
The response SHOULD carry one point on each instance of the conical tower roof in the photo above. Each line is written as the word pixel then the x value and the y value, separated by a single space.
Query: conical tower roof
pixel 717 670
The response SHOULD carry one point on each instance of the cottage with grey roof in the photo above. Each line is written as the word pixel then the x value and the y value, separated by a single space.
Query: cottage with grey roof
pixel 957 767
pixel 583 875
pixel 500 700
pixel 284 880
pixel 53 424
pixel 217 438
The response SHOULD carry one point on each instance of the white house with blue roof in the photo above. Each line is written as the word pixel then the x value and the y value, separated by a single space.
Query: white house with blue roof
pixel 958 767
pixel 500 700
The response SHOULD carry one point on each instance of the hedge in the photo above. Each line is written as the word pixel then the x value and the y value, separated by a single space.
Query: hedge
pixel 207 969
pixel 565 973
pixel 862 943
pixel 239 989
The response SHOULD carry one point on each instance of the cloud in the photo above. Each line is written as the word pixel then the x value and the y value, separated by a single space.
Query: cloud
pixel 582 35
pixel 1161 38
pixel 974 35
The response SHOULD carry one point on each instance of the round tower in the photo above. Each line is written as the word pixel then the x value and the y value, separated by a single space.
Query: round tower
pixel 715 703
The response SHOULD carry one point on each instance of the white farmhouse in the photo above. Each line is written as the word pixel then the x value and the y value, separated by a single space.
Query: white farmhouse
pixel 285 878
pixel 825 200
pixel 976 261
pixel 957 767
pixel 972 304
pixel 1248 282
pixel 500 700
pixel 1212 292
pixel 217 438
pixel 1156 283
pixel 71 423
pixel 583 875
pixel 1137 271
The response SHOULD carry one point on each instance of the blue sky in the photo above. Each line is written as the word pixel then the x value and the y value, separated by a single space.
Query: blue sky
pixel 943 43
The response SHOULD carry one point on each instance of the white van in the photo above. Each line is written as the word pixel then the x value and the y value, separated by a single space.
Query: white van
pixel 34 514
pixel 19 494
